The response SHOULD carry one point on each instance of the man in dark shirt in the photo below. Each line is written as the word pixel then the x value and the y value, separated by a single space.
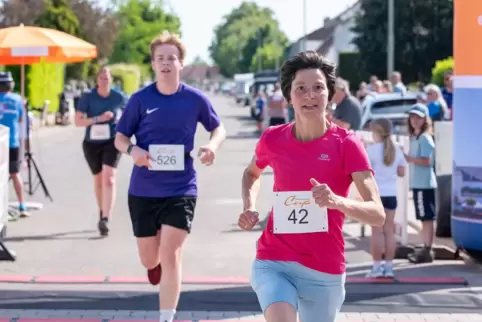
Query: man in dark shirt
pixel 347 113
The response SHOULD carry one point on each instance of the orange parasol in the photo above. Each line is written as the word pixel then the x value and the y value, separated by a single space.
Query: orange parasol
pixel 25 45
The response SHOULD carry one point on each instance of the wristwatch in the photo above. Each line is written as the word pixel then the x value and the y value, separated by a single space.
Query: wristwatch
pixel 129 148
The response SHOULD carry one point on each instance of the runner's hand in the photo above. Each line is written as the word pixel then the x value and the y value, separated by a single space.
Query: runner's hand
pixel 141 157
pixel 248 219
pixel 106 116
pixel 206 154
pixel 323 195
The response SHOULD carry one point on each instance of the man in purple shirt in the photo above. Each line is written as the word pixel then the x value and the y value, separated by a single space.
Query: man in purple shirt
pixel 162 194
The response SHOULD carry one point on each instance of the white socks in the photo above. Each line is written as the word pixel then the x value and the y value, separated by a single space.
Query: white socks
pixel 167 315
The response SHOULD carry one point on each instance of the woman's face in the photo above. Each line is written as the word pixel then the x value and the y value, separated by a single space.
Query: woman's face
pixel 309 93
pixel 431 96
pixel 104 79
pixel 416 121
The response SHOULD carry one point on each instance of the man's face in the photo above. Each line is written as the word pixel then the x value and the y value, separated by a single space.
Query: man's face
pixel 166 62
pixel 448 80
pixel 395 79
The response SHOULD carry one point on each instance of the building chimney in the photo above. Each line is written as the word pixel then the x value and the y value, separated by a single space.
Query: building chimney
pixel 326 21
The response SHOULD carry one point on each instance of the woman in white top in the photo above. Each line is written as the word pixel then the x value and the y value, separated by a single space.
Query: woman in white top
pixel 388 163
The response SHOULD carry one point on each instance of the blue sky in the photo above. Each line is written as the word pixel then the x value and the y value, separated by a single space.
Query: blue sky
pixel 199 17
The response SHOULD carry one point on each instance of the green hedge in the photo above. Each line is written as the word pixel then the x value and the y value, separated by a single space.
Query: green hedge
pixel 42 82
pixel 441 66
pixel 128 75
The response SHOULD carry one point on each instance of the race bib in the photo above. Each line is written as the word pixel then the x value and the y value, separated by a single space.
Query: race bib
pixel 167 157
pixel 100 132
pixel 295 212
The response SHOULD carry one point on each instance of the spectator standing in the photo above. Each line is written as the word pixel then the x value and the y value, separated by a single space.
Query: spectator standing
pixel 347 113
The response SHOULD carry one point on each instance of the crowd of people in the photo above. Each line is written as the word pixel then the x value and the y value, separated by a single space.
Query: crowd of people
pixel 291 274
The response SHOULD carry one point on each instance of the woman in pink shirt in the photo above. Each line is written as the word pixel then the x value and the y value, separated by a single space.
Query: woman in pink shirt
pixel 300 260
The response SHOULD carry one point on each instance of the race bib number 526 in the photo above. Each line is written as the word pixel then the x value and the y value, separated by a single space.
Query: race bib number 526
pixel 295 212
pixel 167 157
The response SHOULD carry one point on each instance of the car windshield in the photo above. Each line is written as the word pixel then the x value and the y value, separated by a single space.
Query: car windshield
pixel 401 105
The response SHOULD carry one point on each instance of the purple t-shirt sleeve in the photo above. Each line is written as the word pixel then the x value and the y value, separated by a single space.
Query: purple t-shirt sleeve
pixel 130 118
pixel 207 115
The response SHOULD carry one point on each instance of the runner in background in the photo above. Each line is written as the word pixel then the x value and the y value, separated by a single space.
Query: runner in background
pixel 300 260
pixel 388 162
pixel 423 181
pixel 260 111
pixel 98 111
pixel 11 115
pixel 163 192
pixel 276 107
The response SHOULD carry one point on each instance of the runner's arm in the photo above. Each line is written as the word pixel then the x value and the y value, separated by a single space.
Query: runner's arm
pixel 81 119
pixel 122 142
pixel 250 185
pixel 218 135
pixel 369 211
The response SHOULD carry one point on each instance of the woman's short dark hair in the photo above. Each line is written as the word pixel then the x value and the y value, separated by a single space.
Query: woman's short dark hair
pixel 307 60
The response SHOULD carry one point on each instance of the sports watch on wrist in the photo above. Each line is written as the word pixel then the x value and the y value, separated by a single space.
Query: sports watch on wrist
pixel 129 148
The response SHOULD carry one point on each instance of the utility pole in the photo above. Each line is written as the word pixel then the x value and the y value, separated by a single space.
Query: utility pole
pixel 277 47
pixel 260 45
pixel 304 47
pixel 391 39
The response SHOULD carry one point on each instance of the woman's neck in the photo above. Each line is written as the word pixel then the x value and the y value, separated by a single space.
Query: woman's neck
pixel 103 91
pixel 417 131
pixel 309 130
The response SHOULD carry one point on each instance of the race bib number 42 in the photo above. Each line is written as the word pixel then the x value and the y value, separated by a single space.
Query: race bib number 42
pixel 295 212
pixel 167 157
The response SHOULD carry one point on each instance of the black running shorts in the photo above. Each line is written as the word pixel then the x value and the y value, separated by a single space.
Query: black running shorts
pixel 424 201
pixel 148 214
pixel 14 160
pixel 99 154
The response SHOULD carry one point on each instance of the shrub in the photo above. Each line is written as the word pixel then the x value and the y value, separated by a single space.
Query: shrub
pixel 441 66
pixel 128 75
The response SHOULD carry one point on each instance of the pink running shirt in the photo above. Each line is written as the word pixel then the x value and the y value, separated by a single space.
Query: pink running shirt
pixel 331 159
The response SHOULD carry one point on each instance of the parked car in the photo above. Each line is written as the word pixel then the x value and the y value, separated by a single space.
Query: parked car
pixel 393 106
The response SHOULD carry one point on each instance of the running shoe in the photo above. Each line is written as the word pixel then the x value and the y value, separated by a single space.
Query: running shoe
pixel 388 271
pixel 103 227
pixel 376 272
pixel 23 212
pixel 154 275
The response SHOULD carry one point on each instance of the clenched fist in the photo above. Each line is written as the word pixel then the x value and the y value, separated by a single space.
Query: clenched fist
pixel 248 219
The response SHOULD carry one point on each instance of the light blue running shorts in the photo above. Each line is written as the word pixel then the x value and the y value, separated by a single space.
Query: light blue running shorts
pixel 315 295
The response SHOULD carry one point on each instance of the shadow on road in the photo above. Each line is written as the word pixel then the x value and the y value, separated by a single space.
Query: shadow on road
pixel 241 118
pixel 70 235
pixel 244 135
pixel 359 298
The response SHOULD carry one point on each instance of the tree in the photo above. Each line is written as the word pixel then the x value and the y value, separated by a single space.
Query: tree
pixel 58 15
pixel 99 25
pixel 15 12
pixel 423 35
pixel 240 36
pixel 266 57
pixel 141 21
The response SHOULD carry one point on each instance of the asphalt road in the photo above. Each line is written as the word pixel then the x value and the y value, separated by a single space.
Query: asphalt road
pixel 62 240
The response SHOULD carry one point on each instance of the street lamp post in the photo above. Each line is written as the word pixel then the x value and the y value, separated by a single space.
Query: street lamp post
pixel 390 39
pixel 304 26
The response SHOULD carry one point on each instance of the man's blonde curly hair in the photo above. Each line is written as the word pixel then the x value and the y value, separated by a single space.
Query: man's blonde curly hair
pixel 170 39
